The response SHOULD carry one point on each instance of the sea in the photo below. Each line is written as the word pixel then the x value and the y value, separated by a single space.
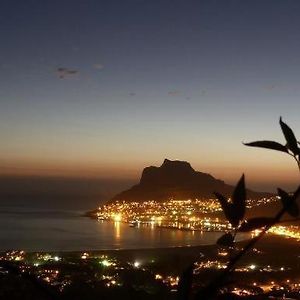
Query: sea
pixel 47 215
pixel 61 228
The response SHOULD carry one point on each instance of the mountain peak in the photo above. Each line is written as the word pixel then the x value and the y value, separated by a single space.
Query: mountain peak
pixel 178 180
pixel 176 164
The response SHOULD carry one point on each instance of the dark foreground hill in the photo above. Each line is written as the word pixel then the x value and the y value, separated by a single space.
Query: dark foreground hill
pixel 177 180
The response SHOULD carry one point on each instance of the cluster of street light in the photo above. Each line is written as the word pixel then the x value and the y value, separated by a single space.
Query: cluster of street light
pixel 181 214
pixel 190 214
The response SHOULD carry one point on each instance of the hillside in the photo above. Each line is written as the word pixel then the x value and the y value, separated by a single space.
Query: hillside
pixel 177 180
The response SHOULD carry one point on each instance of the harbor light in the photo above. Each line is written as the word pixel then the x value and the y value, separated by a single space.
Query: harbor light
pixel 117 217
pixel 136 264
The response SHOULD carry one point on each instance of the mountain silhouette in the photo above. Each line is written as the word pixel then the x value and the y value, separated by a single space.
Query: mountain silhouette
pixel 177 180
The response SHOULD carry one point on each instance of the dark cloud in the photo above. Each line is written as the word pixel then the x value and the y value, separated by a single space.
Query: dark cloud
pixel 132 94
pixel 63 73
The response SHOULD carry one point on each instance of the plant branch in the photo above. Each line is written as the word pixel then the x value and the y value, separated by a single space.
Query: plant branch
pixel 298 162
pixel 291 149
pixel 219 281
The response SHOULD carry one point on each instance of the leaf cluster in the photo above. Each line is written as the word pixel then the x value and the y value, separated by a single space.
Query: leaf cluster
pixel 234 209
pixel 292 146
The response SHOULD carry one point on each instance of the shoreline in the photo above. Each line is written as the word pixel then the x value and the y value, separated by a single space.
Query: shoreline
pixel 147 249
pixel 268 240
pixel 59 233
pixel 91 216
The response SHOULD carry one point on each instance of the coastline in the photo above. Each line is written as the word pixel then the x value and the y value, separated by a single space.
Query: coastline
pixel 269 241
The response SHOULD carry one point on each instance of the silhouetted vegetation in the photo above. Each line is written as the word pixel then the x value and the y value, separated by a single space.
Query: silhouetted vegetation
pixel 234 210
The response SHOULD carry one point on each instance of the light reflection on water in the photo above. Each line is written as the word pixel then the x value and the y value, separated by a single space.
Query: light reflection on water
pixel 47 230
pixel 117 227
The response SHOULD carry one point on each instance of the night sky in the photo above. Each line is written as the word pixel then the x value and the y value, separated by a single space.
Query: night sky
pixel 105 88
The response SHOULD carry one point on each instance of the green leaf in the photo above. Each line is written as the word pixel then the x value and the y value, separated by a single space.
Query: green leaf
pixel 239 200
pixel 256 223
pixel 289 137
pixel 289 202
pixel 268 145
pixel 226 240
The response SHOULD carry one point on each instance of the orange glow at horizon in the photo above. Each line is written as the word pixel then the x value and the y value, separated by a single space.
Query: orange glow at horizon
pixel 264 170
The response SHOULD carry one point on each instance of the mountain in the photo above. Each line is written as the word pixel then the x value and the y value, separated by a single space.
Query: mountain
pixel 177 180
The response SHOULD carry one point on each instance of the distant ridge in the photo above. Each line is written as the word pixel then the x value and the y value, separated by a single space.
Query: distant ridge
pixel 178 180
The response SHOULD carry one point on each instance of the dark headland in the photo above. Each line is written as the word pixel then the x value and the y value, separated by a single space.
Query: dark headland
pixel 177 180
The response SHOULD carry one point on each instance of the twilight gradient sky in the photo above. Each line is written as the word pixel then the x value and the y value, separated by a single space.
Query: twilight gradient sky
pixel 141 80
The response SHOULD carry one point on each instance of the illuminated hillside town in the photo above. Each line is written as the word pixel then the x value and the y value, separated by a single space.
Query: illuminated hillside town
pixel 198 214
pixel 194 215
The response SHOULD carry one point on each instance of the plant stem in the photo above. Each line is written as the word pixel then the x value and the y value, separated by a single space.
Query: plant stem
pixel 231 264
